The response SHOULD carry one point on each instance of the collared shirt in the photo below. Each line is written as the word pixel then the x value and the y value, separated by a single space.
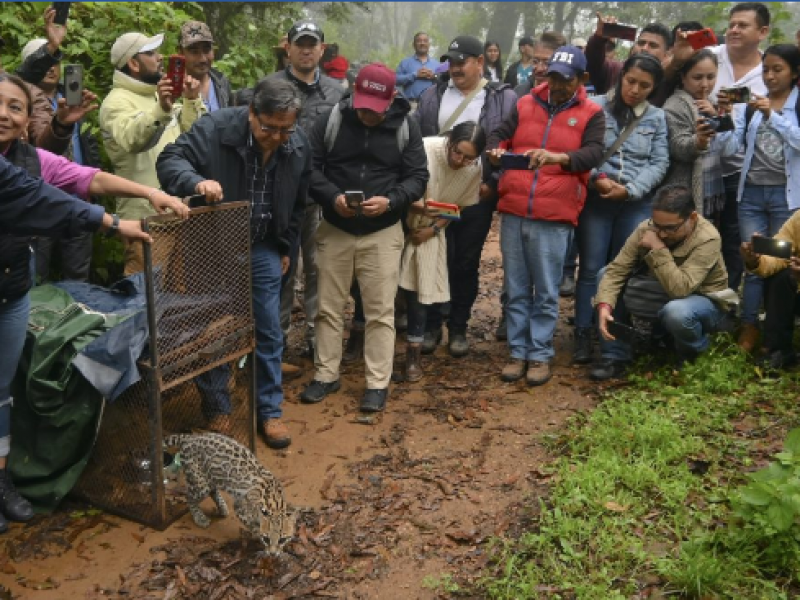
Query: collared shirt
pixel 451 100
pixel 407 76
pixel 211 102
pixel 260 181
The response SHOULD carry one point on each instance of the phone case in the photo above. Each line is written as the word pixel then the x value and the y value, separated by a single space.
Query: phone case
pixel 702 39
pixel 73 84
pixel 62 12
pixel 354 199
pixel 620 31
pixel 176 72
pixel 515 162
pixel 737 95
pixel 772 247
pixel 446 210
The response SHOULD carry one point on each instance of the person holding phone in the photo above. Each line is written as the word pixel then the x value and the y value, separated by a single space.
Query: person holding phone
pixel 455 178
pixel 768 133
pixel 196 44
pixel 781 282
pixel 561 132
pixel 636 158
pixel 677 253
pixel 28 206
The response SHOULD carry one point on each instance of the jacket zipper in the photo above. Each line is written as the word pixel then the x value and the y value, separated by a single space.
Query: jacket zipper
pixel 536 174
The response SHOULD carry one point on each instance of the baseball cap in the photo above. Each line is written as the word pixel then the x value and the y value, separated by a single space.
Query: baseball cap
pixel 374 88
pixel 579 42
pixel 130 44
pixel 568 61
pixel 462 47
pixel 305 28
pixel 32 47
pixel 525 41
pixel 194 32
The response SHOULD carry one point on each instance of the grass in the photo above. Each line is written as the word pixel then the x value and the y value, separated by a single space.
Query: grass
pixel 641 491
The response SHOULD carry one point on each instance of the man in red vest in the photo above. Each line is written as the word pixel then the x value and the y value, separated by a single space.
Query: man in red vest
pixel 561 132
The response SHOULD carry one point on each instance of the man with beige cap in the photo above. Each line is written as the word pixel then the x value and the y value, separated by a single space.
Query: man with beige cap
pixel 197 45
pixel 139 117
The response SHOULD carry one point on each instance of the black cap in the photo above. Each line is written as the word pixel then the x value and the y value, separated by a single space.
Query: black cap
pixel 525 41
pixel 462 47
pixel 305 28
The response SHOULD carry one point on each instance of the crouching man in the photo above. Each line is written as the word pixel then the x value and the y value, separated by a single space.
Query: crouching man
pixel 670 274
pixel 782 293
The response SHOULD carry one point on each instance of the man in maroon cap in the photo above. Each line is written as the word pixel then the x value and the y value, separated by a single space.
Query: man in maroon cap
pixel 369 164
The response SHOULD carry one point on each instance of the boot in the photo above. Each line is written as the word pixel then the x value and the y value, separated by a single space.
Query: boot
pixel 414 362
pixel 748 337
pixel 354 350
pixel 583 346
pixel 12 505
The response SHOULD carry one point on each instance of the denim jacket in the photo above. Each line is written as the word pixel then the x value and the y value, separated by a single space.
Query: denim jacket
pixel 642 161
pixel 744 138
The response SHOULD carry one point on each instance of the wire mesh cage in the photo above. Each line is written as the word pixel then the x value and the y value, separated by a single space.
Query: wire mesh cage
pixel 200 364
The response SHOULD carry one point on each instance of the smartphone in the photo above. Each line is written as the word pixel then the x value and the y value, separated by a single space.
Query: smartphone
pixel 515 162
pixel 73 84
pixel 354 199
pixel 620 31
pixel 702 39
pixel 196 201
pixel 622 332
pixel 737 95
pixel 719 124
pixel 62 12
pixel 176 72
pixel 772 247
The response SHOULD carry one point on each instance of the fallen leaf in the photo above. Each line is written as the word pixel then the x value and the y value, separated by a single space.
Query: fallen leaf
pixel 616 507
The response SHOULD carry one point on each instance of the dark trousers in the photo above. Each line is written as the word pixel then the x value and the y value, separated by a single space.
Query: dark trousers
pixel 465 239
pixel 781 301
pixel 417 317
pixel 728 226
pixel 76 256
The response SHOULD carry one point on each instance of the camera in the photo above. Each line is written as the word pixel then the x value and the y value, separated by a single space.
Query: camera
pixel 718 124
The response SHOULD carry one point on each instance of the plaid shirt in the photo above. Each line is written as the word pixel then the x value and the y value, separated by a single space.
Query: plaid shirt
pixel 259 190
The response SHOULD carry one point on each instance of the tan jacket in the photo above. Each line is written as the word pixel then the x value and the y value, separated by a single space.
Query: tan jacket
pixel 693 267
pixel 769 265
pixel 135 131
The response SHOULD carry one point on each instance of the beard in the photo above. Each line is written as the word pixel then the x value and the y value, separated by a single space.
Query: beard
pixel 152 78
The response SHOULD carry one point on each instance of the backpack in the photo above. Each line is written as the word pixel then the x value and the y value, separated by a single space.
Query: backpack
pixel 750 111
pixel 335 124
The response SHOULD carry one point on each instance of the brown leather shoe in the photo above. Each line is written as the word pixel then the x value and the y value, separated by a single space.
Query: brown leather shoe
pixel 290 371
pixel 748 337
pixel 514 370
pixel 539 373
pixel 220 424
pixel 275 433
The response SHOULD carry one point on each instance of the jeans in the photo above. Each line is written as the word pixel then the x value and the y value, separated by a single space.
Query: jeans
pixel 763 210
pixel 417 317
pixel 533 262
pixel 13 325
pixel 728 227
pixel 465 239
pixel 688 321
pixel 213 385
pixel 308 245
pixel 571 261
pixel 782 300
pixel 603 228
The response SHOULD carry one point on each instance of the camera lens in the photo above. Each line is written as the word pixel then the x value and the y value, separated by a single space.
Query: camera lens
pixel 74 86
pixel 69 70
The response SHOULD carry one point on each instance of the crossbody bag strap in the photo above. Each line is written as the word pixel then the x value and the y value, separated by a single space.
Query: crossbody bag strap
pixel 624 135
pixel 463 106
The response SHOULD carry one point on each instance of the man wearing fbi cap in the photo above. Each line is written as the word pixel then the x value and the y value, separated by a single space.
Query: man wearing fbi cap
pixel 375 153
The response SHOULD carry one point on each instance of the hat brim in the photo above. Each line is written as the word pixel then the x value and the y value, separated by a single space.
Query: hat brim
pixel 303 34
pixel 153 43
pixel 456 55
pixel 373 103
pixel 563 70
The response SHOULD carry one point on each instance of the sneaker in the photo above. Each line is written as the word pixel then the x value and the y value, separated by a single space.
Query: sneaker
pixel 275 434
pixel 431 340
pixel 748 337
pixel 501 333
pixel 514 370
pixel 219 424
pixel 538 373
pixel 567 287
pixel 608 369
pixel 374 400
pixel 289 371
pixel 459 346
pixel 583 346
pixel 317 390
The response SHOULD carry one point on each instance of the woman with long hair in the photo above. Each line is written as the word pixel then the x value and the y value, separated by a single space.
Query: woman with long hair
pixel 621 188
pixel 493 61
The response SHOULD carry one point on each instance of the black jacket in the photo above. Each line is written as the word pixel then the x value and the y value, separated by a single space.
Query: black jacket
pixel 318 98
pixel 368 159
pixel 215 148
pixel 223 88
pixel 511 75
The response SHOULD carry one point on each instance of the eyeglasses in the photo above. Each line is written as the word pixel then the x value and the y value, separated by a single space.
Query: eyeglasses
pixel 463 158
pixel 272 130
pixel 666 228
pixel 539 62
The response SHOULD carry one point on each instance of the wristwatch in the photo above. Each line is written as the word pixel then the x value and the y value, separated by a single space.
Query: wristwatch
pixel 114 229
pixel 436 229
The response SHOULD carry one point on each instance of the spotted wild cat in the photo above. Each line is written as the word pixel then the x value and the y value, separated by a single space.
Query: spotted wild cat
pixel 215 463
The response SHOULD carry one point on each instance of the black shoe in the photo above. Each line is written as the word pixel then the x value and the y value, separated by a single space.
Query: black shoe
pixel 501 333
pixel 567 287
pixel 458 346
pixel 431 340
pixel 777 360
pixel 374 400
pixel 317 390
pixel 583 346
pixel 608 369
pixel 3 524
pixel 12 505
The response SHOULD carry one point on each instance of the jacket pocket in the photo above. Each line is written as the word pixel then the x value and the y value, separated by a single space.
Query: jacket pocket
pixel 642 141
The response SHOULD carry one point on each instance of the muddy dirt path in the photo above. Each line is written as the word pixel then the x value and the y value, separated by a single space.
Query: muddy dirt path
pixel 391 505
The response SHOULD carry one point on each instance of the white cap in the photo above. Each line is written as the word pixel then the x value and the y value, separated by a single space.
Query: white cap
pixel 579 42
pixel 32 47
pixel 130 44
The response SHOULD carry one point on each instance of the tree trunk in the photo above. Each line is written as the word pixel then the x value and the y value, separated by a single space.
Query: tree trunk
pixel 503 28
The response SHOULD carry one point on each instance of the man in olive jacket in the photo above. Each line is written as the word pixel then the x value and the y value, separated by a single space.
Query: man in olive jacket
pixel 256 153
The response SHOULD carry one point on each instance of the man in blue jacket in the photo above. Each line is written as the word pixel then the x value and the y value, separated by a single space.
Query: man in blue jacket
pixel 259 153
pixel 417 73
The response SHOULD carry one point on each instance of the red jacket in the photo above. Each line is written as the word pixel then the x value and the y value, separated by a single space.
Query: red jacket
pixel 551 193
pixel 336 68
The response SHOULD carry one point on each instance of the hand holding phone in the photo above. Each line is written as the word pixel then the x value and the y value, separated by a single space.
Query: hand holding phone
pixel 515 162
pixel 62 12
pixel 771 247
pixel 73 84
pixel 702 39
pixel 620 31
pixel 737 95
pixel 176 73
pixel 621 332
pixel 354 199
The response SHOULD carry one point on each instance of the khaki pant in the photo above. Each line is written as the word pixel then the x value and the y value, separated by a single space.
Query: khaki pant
pixel 374 259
